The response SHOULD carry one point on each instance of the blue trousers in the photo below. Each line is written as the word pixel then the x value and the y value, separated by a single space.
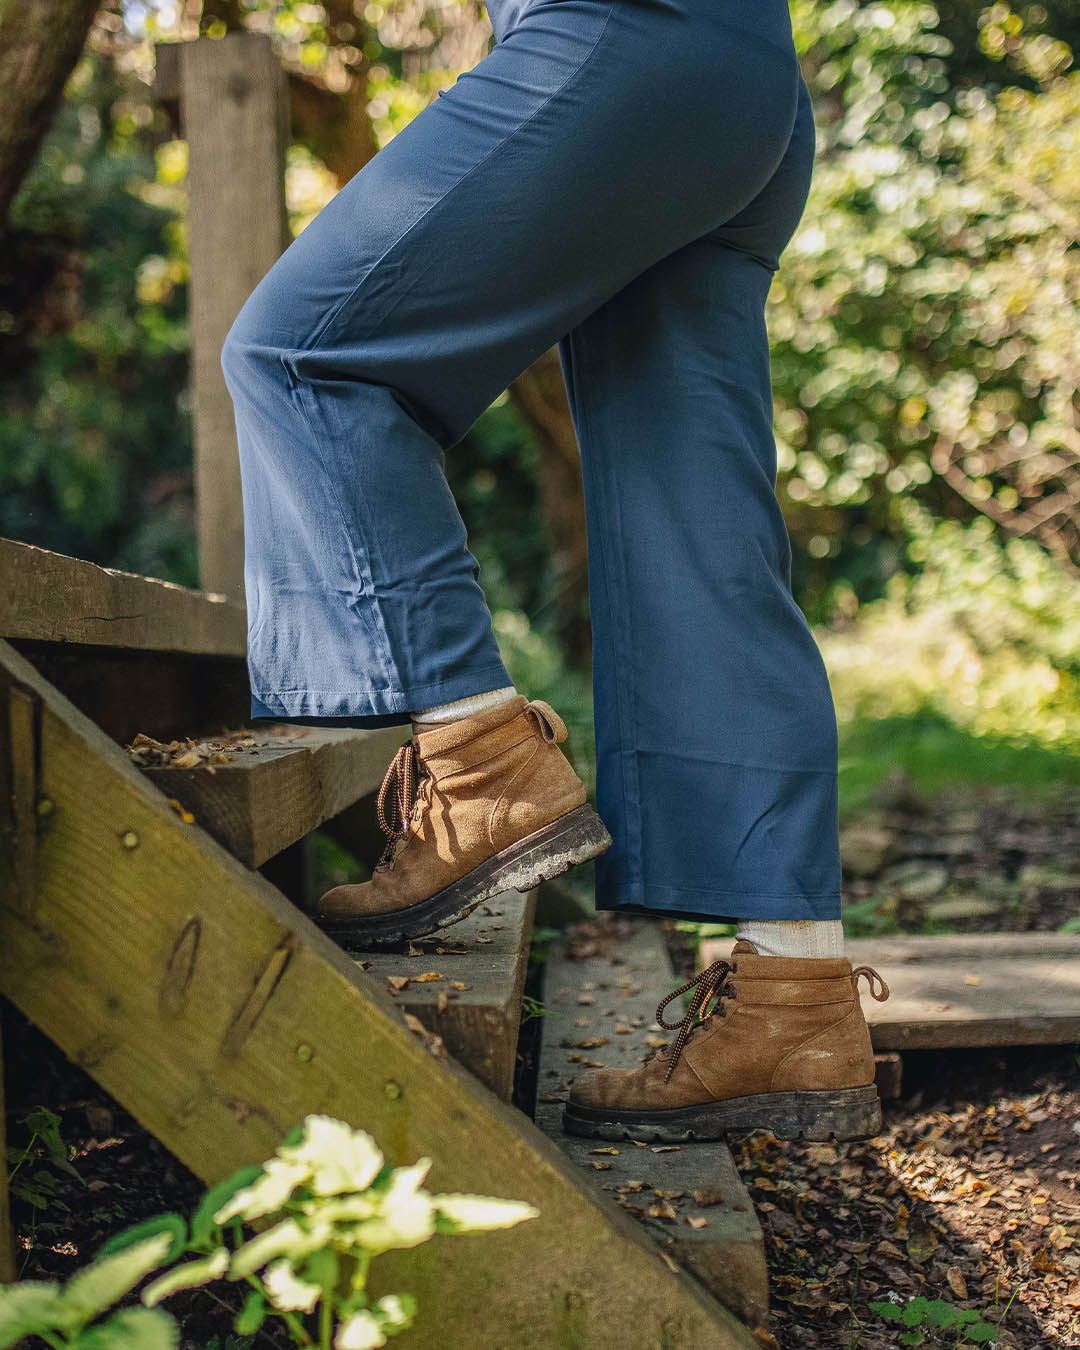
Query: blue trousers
pixel 618 177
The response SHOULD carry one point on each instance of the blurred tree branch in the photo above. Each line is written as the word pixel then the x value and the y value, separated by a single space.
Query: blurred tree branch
pixel 40 41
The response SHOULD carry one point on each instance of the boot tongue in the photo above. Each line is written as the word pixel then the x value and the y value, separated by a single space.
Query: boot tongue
pixel 745 945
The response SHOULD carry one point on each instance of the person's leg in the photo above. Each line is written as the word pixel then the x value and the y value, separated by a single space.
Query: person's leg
pixel 716 734
pixel 715 725
pixel 598 137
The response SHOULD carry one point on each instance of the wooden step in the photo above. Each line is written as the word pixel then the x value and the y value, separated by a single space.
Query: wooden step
pixel 953 991
pixel 282 782
pixel 219 1016
pixel 475 1004
pixel 708 1225
pixel 53 597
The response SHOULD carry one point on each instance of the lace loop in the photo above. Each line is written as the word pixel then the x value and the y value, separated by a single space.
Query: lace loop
pixel 871 975
pixel 402 779
pixel 711 984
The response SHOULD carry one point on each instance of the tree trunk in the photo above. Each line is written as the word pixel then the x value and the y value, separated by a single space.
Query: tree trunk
pixel 40 41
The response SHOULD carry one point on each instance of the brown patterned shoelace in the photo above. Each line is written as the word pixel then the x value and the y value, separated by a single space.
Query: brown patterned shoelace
pixel 402 780
pixel 711 984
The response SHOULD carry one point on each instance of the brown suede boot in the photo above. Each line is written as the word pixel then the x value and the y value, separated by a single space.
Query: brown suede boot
pixel 499 807
pixel 783 1047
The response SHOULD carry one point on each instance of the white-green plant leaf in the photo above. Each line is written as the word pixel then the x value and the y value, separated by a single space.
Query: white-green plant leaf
pixel 284 1239
pixel 341 1159
pixel 408 1215
pixel 188 1276
pixel 397 1310
pixel 203 1223
pixel 359 1332
pixel 277 1183
pixel 132 1329
pixel 27 1308
pixel 286 1291
pixel 106 1281
pixel 478 1213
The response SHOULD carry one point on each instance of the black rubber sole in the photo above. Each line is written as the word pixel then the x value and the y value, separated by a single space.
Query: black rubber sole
pixel 571 839
pixel 844 1113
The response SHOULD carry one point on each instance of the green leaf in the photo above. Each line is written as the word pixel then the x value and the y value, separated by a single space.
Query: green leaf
pixel 172 1223
pixel 892 1311
pixel 913 1338
pixel 189 1275
pixel 203 1227
pixel 980 1332
pixel 916 1312
pixel 942 1314
pixel 132 1329
pixel 27 1308
pixel 46 1125
pixel 252 1315
pixel 107 1279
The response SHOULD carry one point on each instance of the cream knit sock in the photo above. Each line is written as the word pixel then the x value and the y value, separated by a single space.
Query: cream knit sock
pixel 464 707
pixel 794 937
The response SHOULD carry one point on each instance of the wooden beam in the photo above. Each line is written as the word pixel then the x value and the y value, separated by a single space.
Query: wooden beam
pixel 235 118
pixel 488 953
pixel 60 599
pixel 220 1016
pixel 280 789
pixel 699 1181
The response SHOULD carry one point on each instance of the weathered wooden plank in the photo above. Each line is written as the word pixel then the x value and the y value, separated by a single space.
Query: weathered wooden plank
pixel 7 1241
pixel 698 1181
pixel 219 1016
pixel 60 599
pixel 280 789
pixel 488 953
pixel 973 989
pixel 125 692
pixel 236 121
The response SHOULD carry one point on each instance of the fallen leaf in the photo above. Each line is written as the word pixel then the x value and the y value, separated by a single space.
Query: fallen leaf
pixel 957 1283
pixel 707 1196
pixel 397 983
pixel 667 1148
pixel 972 979
pixel 613 1152
pixel 662 1210
pixel 426 978
pixel 697 1221
pixel 460 985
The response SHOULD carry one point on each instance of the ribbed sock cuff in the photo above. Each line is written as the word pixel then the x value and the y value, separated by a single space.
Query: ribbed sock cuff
pixel 464 707
pixel 794 937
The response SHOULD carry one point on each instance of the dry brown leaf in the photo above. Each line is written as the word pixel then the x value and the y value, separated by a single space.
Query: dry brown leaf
pixel 426 978
pixel 612 1152
pixel 397 983
pixel 442 1002
pixel 460 985
pixel 662 1210
pixel 957 1283
pixel 697 1221
pixel 708 1195
pixel 602 1166
pixel 667 1148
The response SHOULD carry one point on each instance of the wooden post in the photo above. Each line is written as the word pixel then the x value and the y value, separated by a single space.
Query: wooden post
pixel 234 114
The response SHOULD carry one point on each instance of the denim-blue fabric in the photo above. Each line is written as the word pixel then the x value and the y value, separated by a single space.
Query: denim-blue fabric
pixel 618 177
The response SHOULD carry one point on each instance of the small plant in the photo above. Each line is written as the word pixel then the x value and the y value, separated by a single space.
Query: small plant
pixel 925 1316
pixel 533 1007
pixel 37 1189
pixel 327 1203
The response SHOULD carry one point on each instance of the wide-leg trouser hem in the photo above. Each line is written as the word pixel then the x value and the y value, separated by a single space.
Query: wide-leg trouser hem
pixel 717 906
pixel 381 706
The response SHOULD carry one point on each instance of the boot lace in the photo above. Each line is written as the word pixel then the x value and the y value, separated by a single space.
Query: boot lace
pixel 399 790
pixel 711 986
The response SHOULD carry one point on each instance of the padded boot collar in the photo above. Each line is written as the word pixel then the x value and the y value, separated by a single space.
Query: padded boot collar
pixel 471 740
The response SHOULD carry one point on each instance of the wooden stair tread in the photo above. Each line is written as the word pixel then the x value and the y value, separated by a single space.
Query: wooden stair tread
pixel 727 1253
pixel 489 952
pixel 277 791
pixel 55 598
pixel 959 990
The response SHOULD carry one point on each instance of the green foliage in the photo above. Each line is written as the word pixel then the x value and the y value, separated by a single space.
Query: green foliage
pixel 987 637
pixel 925 319
pixel 327 1204
pixel 38 1189
pixel 924 1317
